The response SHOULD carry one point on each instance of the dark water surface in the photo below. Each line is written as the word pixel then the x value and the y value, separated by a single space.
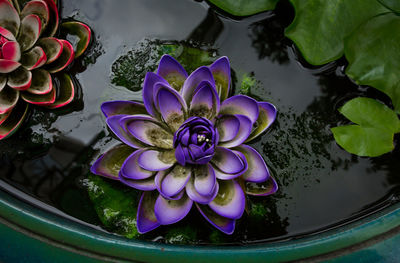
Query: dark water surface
pixel 321 185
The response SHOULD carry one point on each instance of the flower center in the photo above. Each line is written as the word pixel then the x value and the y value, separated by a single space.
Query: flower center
pixel 195 141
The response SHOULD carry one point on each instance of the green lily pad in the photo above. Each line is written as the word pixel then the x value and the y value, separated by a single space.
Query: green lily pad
pixel 374 57
pixel 393 5
pixel 245 7
pixel 320 27
pixel 373 134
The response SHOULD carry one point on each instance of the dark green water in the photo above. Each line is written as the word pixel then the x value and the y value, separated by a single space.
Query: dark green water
pixel 321 185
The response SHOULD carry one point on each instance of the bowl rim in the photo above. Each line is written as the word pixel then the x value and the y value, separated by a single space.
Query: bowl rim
pixel 79 238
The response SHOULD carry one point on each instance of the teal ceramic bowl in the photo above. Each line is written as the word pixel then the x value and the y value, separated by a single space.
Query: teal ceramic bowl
pixel 32 234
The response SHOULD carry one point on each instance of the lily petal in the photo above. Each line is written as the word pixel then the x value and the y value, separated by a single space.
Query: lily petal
pixel 81 31
pixel 39 8
pixel 146 219
pixel 39 99
pixel 41 82
pixel 230 200
pixel 11 51
pixel 52 47
pixel 242 105
pixel 66 92
pixel 158 181
pixel 34 58
pixel 171 106
pixel 130 168
pixel 8 99
pixel 7 66
pixel 9 18
pixel 14 120
pixel 122 107
pixel 6 33
pixel 204 179
pixel 227 161
pixel 66 58
pixel 265 119
pixel 149 83
pixel 31 26
pixel 20 79
pixel 257 171
pixel 198 198
pixel 153 160
pixel 221 71
pixel 3 81
pixel 172 72
pixel 262 189
pixel 205 102
pixel 223 224
pixel 192 82
pixel 54 18
pixel 171 211
pixel 110 163
pixel 147 184
pixel 228 127
pixel 175 180
pixel 114 124
pixel 245 128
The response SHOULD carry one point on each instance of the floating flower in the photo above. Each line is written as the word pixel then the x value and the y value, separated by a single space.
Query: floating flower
pixel 29 54
pixel 185 146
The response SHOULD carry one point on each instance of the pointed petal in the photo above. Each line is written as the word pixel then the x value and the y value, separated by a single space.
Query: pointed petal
pixel 146 129
pixel 115 126
pixel 228 127
pixel 265 119
pixel 221 71
pixel 14 120
pixel 39 8
pixel 153 160
pixel 262 189
pixel 7 34
pixel 42 99
pixel 131 170
pixel 171 106
pixel 52 47
pixel 20 79
pixel 34 58
pixel 172 71
pixel 227 161
pixel 8 99
pixel 205 102
pixel 7 66
pixel 122 107
pixel 54 18
pixel 243 133
pixel 242 105
pixel 149 83
pixel 147 184
pixel 175 180
pixel 80 31
pixel 29 32
pixel 9 18
pixel 11 51
pixel 230 200
pixel 66 57
pixel 257 170
pixel 41 82
pixel 110 163
pixel 204 179
pixel 66 91
pixel 198 198
pixel 223 224
pixel 146 219
pixel 192 82
pixel 171 211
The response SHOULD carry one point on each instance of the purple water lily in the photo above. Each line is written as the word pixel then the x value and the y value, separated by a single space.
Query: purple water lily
pixel 185 146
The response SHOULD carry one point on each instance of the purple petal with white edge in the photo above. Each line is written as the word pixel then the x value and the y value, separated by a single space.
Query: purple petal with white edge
pixel 243 133
pixel 257 169
pixel 265 119
pixel 115 126
pixel 171 211
pixel 175 180
pixel 31 26
pixel 20 79
pixel 147 184
pixel 180 155
pixel 34 58
pixel 66 58
pixel 158 181
pixel 205 102
pixel 9 18
pixel 242 105
pixel 223 224
pixel 149 83
pixel 172 71
pixel 8 99
pixel 41 82
pixel 110 163
pixel 146 219
pixel 226 176
pixel 122 107
pixel 7 34
pixel 7 66
pixel 153 160
pixel 11 51
pixel 204 179
pixel 192 82
pixel 198 198
pixel 146 129
pixel 39 8
pixel 171 106
pixel 52 47
pixel 228 127
pixel 262 189
pixel 230 200
pixel 227 161
pixel 221 71
pixel 130 168
pixel 14 120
